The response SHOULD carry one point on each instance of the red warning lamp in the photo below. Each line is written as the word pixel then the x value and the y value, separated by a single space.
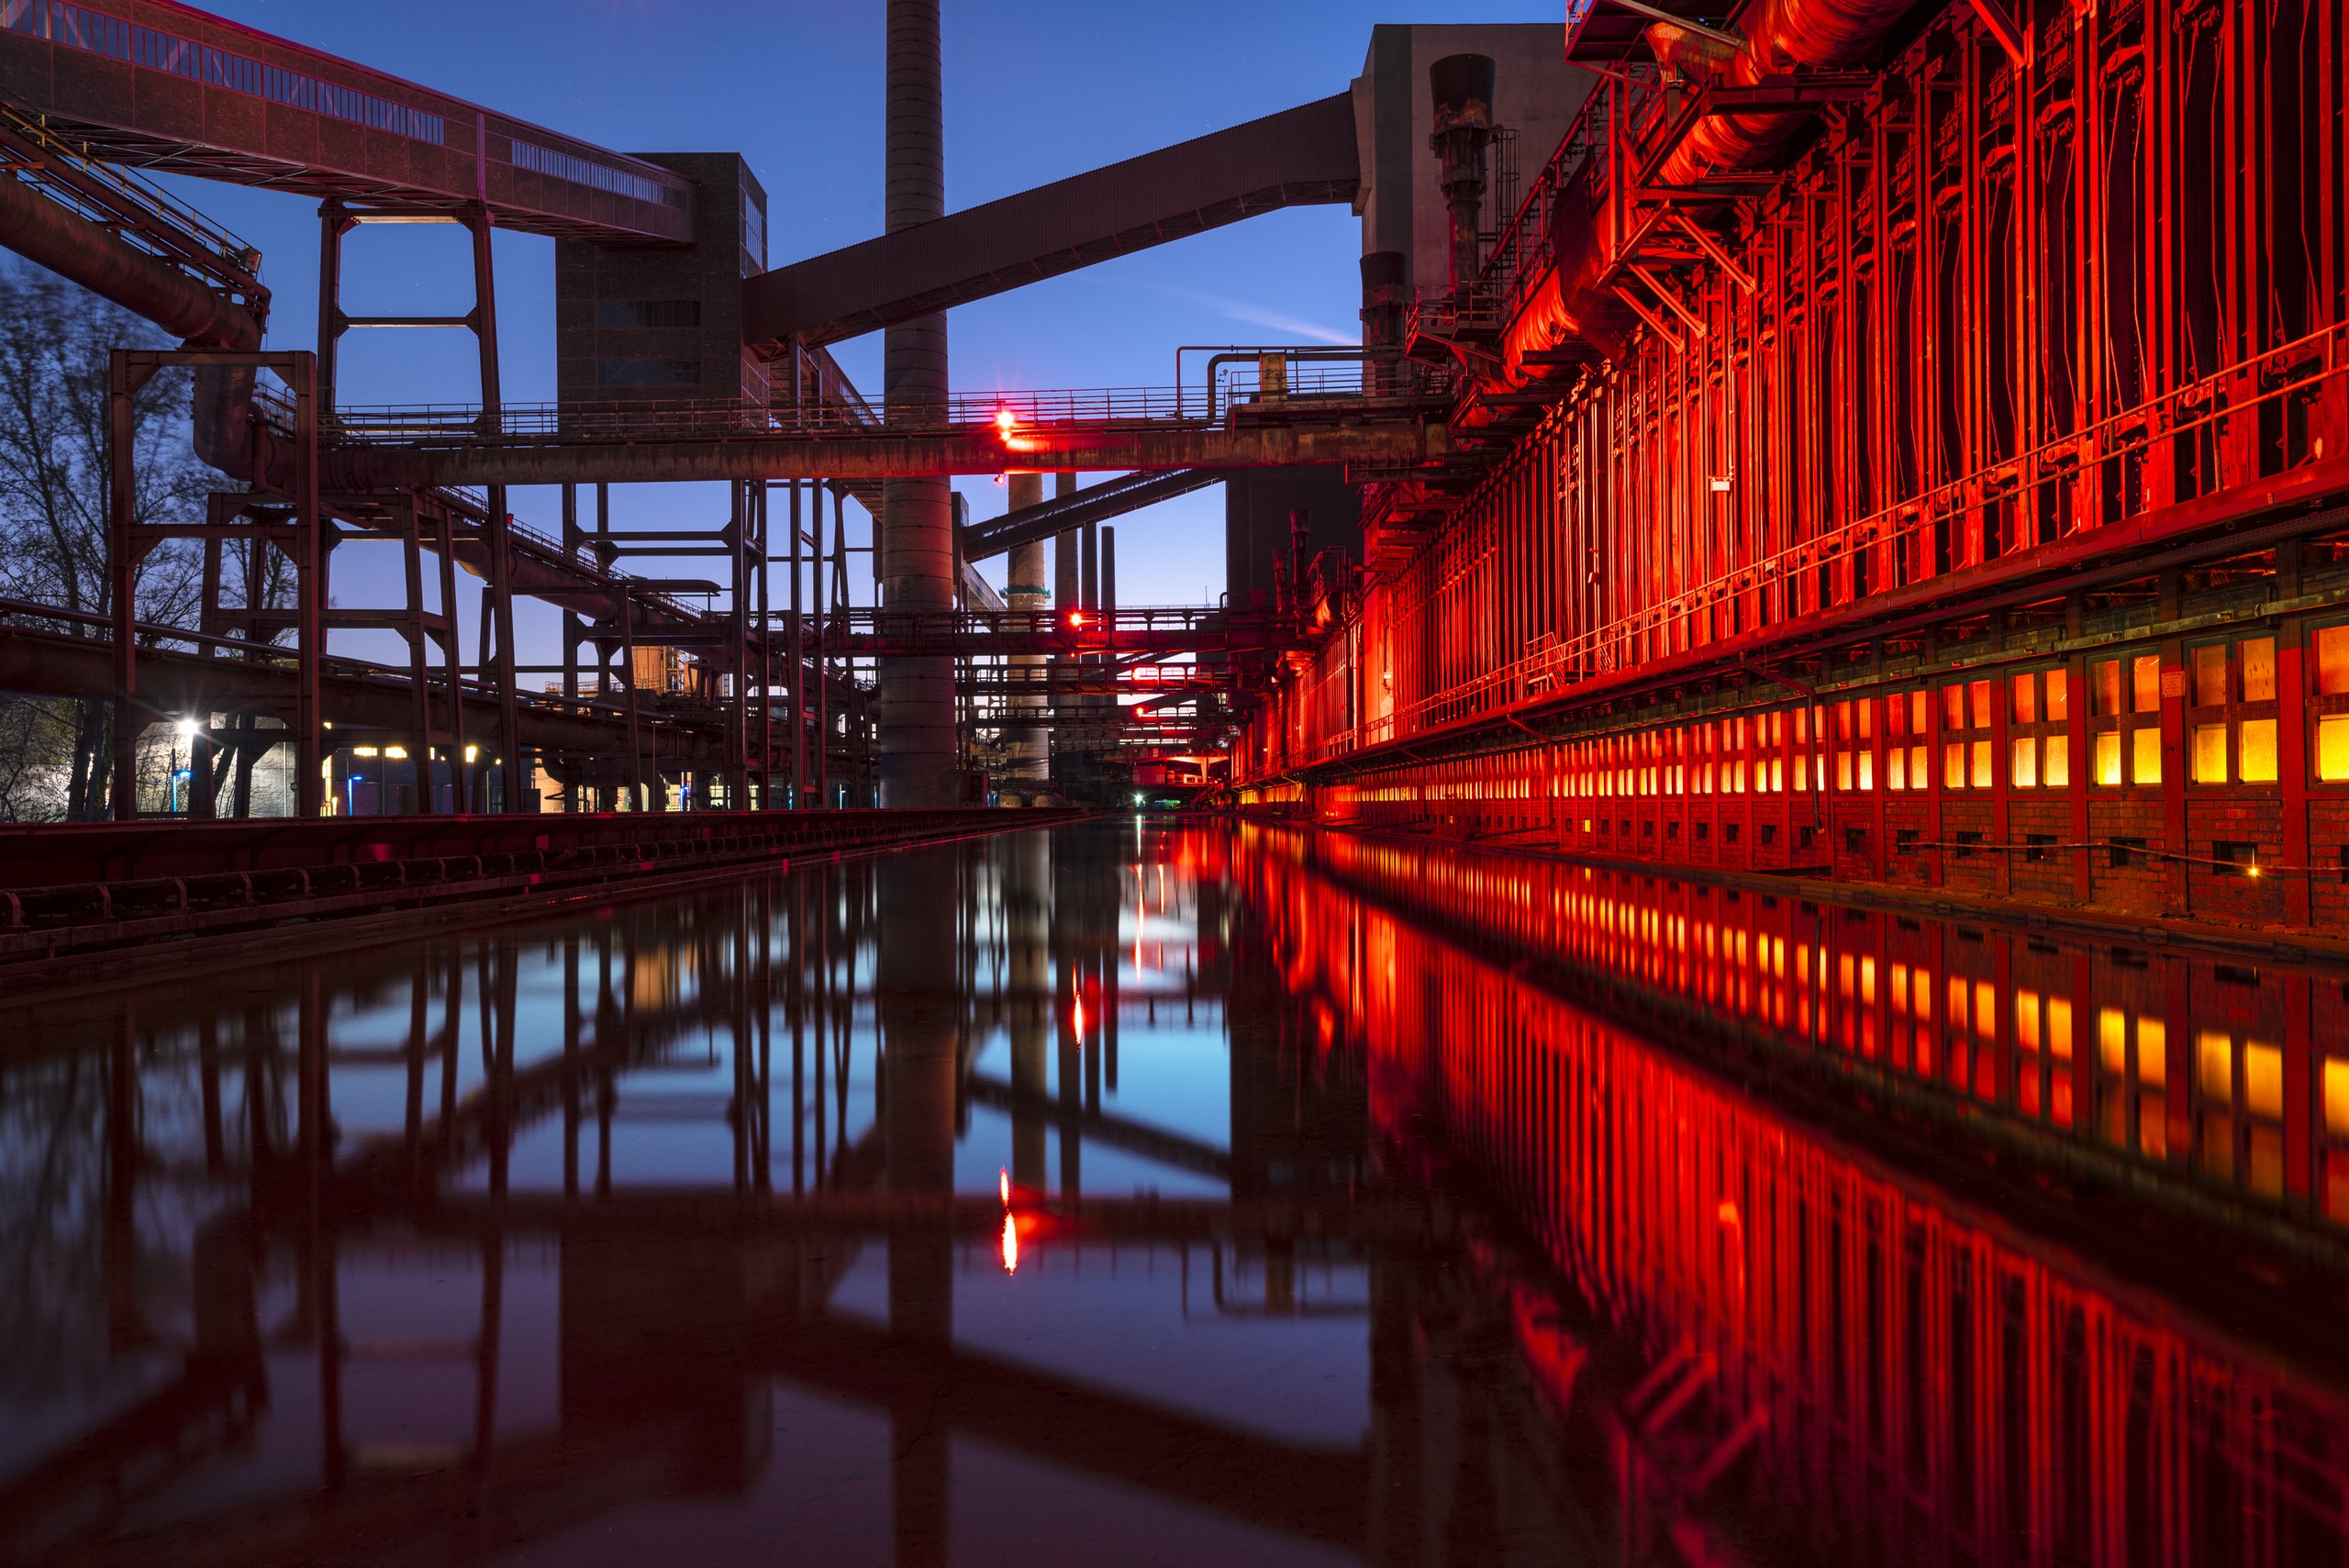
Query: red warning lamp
pixel 1005 423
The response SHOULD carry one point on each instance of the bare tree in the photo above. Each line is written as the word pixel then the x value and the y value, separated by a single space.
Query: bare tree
pixel 55 752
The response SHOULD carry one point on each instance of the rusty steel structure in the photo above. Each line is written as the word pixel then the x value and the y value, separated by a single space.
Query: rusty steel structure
pixel 1909 444
pixel 760 698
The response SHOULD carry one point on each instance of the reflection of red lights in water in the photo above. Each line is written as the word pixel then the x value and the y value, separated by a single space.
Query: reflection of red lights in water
pixel 1010 1244
pixel 1077 1018
pixel 1003 1187
pixel 1989 1356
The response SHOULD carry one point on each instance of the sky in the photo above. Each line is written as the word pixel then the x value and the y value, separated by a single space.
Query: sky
pixel 1035 90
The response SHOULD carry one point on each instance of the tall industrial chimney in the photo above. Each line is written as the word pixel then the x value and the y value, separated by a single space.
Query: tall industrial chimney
pixel 916 701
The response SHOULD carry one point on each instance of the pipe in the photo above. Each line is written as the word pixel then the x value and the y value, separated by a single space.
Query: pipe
pixel 226 435
pixel 1462 89
pixel 1781 35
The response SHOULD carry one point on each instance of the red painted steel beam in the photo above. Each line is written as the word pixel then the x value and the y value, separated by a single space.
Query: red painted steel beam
pixel 156 84
pixel 1301 156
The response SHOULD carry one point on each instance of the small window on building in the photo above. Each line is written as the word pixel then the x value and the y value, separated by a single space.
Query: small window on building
pixel 2258 656
pixel 1729 832
pixel 2026 698
pixel 2210 753
pixel 648 372
pixel 2235 857
pixel 1855 841
pixel 2107 758
pixel 1968 838
pixel 2333 661
pixel 2210 676
pixel 2108 688
pixel 2145 683
pixel 1770 836
pixel 1704 831
pixel 2257 752
pixel 2127 851
pixel 633 315
pixel 2145 767
pixel 2332 748
pixel 2037 845
pixel 1904 841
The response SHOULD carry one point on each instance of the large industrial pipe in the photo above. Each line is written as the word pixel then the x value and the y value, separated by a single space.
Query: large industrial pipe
pixel 1823 35
pixel 80 252
pixel 916 699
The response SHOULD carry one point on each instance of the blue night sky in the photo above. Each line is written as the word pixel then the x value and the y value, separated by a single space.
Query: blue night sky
pixel 1035 90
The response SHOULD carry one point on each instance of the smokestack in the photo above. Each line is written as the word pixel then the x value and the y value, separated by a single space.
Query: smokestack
pixel 916 701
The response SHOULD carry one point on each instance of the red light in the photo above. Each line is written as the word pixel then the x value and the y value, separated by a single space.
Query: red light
pixel 1004 421
pixel 1077 617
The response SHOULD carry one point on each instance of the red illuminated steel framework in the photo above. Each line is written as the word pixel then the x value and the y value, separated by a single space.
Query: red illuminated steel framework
pixel 2016 373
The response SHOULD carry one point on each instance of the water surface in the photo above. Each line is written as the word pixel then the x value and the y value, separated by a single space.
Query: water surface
pixel 1147 1192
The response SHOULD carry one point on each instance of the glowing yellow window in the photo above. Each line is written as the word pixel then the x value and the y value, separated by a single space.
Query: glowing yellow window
pixel 2262 1079
pixel 2214 1066
pixel 1977 697
pixel 2258 657
pixel 2059 762
pixel 2145 683
pixel 1953 707
pixel 1777 775
pixel 2145 767
pixel 1867 770
pixel 2258 751
pixel 2333 661
pixel 2059 708
pixel 1953 765
pixel 2153 1052
pixel 2107 757
pixel 1842 770
pixel 2337 1097
pixel 2026 708
pixel 2210 753
pixel 2112 1044
pixel 2027 1020
pixel 2332 748
pixel 1957 992
pixel 2108 688
pixel 1986 1011
pixel 2059 1028
pixel 1981 764
pixel 2026 763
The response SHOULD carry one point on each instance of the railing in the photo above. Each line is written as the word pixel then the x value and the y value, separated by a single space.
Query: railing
pixel 1107 408
pixel 143 214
